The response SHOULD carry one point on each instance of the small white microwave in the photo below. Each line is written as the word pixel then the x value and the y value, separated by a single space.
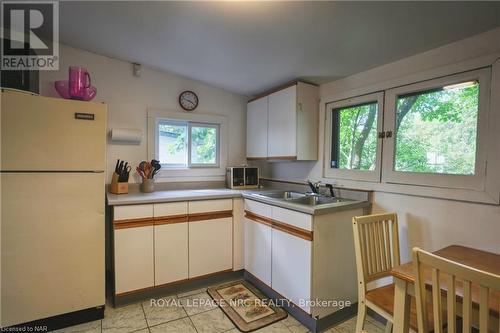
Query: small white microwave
pixel 242 177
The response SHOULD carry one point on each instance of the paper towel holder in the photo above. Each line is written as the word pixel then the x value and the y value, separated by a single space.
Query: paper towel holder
pixel 125 135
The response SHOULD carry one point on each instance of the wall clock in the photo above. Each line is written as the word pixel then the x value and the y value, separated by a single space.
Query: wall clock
pixel 188 100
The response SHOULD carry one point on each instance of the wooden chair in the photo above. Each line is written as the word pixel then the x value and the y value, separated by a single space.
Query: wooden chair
pixel 467 277
pixel 376 244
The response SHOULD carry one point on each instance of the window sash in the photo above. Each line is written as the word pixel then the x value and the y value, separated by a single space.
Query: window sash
pixel 157 139
pixel 476 181
pixel 189 125
pixel 217 145
pixel 363 175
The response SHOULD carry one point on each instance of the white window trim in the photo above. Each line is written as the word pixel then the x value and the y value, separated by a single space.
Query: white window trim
pixel 491 193
pixel 363 175
pixel 198 173
pixel 472 182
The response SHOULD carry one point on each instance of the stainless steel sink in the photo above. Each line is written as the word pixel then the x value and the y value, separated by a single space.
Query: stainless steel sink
pixel 283 195
pixel 301 198
pixel 317 200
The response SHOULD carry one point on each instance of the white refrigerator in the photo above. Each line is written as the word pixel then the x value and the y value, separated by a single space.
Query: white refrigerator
pixel 52 208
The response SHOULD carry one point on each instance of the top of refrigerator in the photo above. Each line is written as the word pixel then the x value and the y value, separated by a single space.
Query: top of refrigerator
pixel 51 134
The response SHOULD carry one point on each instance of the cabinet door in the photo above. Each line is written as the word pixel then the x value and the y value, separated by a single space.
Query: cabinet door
pixel 258 250
pixel 133 258
pixel 282 139
pixel 291 270
pixel 257 128
pixel 171 252
pixel 210 246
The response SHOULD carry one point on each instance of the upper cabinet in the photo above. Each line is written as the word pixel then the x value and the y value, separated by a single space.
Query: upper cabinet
pixel 284 124
pixel 257 128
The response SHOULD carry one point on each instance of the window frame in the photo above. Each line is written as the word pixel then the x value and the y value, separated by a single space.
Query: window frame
pixel 188 174
pixel 473 182
pixel 353 174
pixel 189 125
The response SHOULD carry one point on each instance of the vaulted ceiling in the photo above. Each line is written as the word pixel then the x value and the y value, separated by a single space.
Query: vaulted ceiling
pixel 248 47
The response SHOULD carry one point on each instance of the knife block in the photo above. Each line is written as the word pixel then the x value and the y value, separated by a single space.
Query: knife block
pixel 117 187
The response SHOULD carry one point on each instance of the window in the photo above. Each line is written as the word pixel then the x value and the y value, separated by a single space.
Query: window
pixel 434 132
pixel 184 144
pixel 354 144
pixel 430 133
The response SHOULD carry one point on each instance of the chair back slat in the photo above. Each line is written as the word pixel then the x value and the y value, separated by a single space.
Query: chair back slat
pixel 484 311
pixel 467 307
pixel 468 276
pixel 436 301
pixel 387 239
pixel 376 244
pixel 451 304
pixel 381 244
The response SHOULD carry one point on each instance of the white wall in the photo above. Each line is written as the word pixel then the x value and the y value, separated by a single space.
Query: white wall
pixel 129 97
pixel 426 222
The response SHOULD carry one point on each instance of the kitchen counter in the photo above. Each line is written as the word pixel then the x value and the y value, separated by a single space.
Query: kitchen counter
pixel 311 210
pixel 134 198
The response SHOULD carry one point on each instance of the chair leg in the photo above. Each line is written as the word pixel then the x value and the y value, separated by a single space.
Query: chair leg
pixel 388 327
pixel 360 322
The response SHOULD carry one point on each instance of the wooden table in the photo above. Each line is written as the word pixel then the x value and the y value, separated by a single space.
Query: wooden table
pixel 404 280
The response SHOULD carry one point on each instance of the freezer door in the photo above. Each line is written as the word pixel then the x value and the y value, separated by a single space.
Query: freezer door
pixel 52 244
pixel 43 133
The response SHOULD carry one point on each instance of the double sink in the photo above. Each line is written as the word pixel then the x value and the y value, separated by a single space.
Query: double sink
pixel 301 198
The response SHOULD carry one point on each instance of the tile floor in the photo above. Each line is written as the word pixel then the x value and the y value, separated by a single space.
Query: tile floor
pixel 179 314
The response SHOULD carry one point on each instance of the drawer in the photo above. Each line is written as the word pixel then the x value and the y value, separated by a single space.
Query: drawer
pixel 258 208
pixel 132 212
pixel 170 209
pixel 206 206
pixel 296 219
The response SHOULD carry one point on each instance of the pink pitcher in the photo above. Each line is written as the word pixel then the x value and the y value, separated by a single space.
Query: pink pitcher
pixel 79 82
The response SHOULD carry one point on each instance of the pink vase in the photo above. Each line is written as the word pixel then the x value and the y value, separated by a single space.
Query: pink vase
pixel 79 81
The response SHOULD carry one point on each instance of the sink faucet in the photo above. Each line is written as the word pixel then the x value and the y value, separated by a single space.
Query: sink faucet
pixel 314 187
pixel 330 187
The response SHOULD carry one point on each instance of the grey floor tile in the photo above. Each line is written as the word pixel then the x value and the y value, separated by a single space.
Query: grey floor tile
pixel 124 319
pixel 294 325
pixel 183 325
pixel 278 327
pixel 192 292
pixel 162 310
pixel 213 321
pixel 197 303
pixel 349 326
pixel 91 327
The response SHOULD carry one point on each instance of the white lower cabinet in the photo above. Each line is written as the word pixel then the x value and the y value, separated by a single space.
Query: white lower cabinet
pixel 171 252
pixel 291 268
pixel 258 250
pixel 210 246
pixel 133 258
